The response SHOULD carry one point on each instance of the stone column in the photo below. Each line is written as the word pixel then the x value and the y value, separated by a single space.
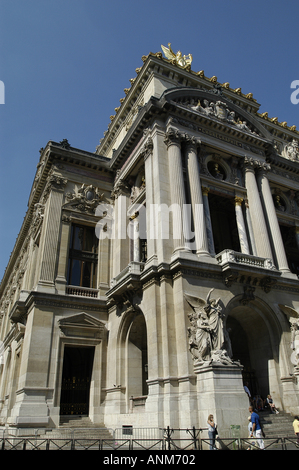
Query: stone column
pixel 297 235
pixel 150 201
pixel 270 213
pixel 241 226
pixel 51 232
pixel 177 189
pixel 134 238
pixel 205 194
pixel 201 239
pixel 249 224
pixel 120 239
pixel 261 237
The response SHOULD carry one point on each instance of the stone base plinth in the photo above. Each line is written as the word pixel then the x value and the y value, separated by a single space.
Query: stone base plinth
pixel 221 393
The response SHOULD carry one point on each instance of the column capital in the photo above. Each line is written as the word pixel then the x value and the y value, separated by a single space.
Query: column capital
pixel 148 148
pixel 263 168
pixel 173 137
pixel 191 141
pixel 251 163
pixel 120 189
pixel 238 201
pixel 205 190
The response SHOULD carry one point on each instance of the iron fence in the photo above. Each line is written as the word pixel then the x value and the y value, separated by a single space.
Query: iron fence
pixel 144 440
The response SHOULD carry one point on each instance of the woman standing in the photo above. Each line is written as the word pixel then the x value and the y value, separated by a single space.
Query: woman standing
pixel 296 429
pixel 212 431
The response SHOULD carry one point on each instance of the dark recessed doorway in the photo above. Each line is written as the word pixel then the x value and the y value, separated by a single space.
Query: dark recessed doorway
pixel 76 377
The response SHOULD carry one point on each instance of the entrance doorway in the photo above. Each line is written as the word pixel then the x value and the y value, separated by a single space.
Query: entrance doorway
pixel 76 377
pixel 255 347
pixel 137 358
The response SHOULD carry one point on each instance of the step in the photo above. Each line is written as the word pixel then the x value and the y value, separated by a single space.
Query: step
pixel 277 425
pixel 77 421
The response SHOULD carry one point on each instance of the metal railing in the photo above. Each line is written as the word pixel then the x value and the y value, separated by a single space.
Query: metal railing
pixel 152 440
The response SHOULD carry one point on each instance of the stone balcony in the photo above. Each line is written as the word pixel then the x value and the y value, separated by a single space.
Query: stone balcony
pixel 248 269
pixel 229 256
pixel 125 283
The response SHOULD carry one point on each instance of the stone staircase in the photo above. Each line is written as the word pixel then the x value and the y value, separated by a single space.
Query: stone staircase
pixel 78 427
pixel 277 425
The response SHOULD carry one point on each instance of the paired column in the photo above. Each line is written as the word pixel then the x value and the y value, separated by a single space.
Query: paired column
pixel 177 191
pixel 270 213
pixel 260 232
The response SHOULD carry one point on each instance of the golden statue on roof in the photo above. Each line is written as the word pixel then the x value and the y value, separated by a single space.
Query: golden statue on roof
pixel 183 61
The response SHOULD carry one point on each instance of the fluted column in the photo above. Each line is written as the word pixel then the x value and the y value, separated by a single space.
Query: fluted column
pixel 200 232
pixel 241 226
pixel 177 190
pixel 261 237
pixel 249 225
pixel 270 213
pixel 208 222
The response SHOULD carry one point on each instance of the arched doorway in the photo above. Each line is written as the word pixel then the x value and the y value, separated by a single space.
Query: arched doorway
pixel 133 362
pixel 137 357
pixel 255 341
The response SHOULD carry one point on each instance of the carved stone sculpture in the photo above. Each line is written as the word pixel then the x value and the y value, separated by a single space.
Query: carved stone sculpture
pixel 84 199
pixel 293 318
pixel 291 151
pixel 208 339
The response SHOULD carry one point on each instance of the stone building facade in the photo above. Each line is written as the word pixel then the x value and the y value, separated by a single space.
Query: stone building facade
pixel 152 278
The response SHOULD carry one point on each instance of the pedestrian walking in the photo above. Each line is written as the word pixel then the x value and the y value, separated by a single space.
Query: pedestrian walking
pixel 251 441
pixel 257 430
pixel 296 429
pixel 212 432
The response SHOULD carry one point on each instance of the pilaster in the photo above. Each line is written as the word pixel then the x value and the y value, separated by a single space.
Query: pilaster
pixel 51 232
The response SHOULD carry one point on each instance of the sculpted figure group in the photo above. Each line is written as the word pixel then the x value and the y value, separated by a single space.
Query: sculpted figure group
pixel 208 339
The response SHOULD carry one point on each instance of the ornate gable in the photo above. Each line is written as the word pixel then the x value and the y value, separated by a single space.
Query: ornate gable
pixel 213 105
pixel 81 325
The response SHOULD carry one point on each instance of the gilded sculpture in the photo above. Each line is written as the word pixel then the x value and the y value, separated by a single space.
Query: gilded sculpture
pixel 183 61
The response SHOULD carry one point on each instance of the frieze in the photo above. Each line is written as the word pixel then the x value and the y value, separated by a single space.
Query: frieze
pixel 219 111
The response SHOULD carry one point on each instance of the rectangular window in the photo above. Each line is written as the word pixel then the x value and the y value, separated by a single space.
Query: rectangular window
pixel 83 257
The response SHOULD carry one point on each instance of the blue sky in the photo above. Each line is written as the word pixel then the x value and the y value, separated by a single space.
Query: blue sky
pixel 65 64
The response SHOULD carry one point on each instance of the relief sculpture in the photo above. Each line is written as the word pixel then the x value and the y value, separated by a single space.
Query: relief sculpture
pixel 208 339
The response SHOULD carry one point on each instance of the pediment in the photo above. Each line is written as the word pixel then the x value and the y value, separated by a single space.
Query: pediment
pixel 215 106
pixel 81 324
